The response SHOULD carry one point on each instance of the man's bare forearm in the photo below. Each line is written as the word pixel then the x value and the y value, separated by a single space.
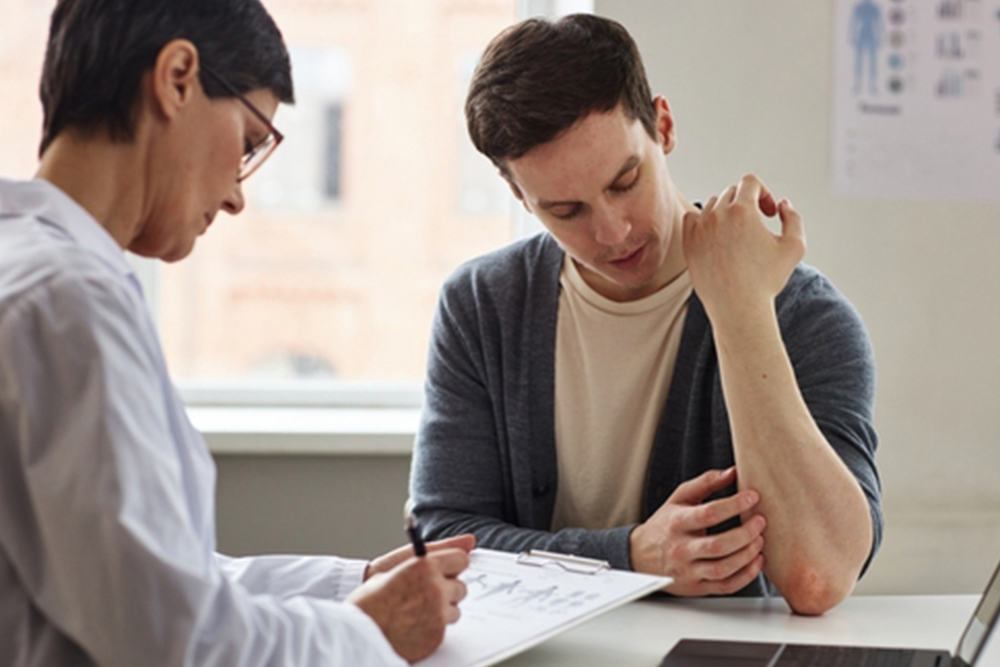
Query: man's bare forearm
pixel 819 529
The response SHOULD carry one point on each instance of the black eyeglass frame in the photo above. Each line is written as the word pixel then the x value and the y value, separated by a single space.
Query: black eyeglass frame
pixel 272 130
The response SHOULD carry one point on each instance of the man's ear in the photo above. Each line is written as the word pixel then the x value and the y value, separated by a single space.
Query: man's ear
pixel 175 77
pixel 665 129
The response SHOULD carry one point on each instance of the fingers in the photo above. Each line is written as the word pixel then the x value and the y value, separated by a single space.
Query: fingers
pixel 753 192
pixel 696 490
pixel 737 581
pixel 388 561
pixel 792 228
pixel 715 512
pixel 452 613
pixel 464 542
pixel 453 591
pixel 710 204
pixel 729 542
pixel 749 190
pixel 729 196
pixel 723 568
pixel 449 562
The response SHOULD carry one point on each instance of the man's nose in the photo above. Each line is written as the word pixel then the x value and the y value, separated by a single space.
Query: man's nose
pixel 234 203
pixel 611 225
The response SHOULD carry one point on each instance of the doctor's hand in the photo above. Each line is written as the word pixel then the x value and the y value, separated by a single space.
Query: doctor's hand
pixel 413 602
pixel 737 265
pixel 390 560
pixel 674 541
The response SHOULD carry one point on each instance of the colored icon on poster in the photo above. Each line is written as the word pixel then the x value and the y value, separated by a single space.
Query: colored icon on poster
pixel 866 31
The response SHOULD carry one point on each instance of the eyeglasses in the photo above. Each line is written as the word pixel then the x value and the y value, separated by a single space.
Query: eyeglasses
pixel 254 155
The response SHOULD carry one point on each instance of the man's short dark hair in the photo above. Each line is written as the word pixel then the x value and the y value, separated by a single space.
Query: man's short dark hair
pixel 99 50
pixel 539 77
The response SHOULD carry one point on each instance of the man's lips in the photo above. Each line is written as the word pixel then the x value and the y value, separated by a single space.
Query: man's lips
pixel 631 260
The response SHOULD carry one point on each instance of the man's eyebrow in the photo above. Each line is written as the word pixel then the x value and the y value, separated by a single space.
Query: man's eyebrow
pixel 629 165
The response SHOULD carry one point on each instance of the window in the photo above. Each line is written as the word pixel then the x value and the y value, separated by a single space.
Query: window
pixel 328 280
pixel 332 271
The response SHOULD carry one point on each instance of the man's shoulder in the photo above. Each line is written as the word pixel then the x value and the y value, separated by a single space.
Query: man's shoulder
pixel 807 284
pixel 514 268
pixel 811 311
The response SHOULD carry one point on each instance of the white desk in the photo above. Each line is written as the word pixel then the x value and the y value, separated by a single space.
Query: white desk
pixel 643 632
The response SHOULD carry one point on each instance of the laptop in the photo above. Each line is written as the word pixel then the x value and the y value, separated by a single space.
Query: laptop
pixel 713 653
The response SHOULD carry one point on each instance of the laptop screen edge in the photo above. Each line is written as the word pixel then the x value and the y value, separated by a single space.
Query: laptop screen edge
pixel 982 623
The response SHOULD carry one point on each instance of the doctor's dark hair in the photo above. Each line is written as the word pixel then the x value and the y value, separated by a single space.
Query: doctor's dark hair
pixel 99 50
pixel 539 77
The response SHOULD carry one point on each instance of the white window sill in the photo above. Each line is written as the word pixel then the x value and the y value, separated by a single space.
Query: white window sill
pixel 307 430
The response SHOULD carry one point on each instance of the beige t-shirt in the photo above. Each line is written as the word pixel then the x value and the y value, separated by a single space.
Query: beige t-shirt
pixel 614 363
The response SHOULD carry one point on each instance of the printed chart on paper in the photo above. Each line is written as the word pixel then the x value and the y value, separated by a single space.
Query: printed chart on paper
pixel 511 606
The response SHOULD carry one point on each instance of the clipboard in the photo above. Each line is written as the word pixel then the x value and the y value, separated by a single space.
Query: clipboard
pixel 517 601
pixel 567 562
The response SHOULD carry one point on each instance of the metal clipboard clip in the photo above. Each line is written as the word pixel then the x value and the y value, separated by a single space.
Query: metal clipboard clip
pixel 574 564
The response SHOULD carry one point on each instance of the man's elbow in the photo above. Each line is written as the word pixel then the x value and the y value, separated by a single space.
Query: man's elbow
pixel 812 593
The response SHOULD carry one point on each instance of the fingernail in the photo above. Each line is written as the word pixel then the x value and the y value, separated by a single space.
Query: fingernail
pixel 752 498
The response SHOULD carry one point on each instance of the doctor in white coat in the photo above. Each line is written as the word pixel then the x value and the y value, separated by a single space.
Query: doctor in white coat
pixel 155 112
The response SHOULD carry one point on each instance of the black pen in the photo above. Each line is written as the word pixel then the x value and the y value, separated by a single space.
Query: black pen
pixel 413 530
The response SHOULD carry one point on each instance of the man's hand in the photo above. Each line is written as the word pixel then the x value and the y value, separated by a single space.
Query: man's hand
pixel 674 541
pixel 390 560
pixel 736 263
pixel 414 601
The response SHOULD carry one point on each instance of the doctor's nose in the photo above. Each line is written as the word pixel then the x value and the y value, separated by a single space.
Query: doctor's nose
pixel 234 203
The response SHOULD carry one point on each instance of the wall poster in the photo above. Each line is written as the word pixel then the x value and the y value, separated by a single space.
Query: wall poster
pixel 917 99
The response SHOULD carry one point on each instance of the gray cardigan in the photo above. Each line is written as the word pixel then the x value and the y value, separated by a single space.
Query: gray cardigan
pixel 485 455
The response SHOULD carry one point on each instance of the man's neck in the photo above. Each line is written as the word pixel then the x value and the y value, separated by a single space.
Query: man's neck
pixel 673 264
pixel 103 177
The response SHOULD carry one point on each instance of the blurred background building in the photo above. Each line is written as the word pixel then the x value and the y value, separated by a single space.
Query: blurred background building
pixel 375 196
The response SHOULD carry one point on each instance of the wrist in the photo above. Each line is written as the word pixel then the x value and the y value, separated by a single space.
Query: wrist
pixel 640 553
pixel 750 318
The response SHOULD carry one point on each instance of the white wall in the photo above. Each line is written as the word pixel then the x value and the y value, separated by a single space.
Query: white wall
pixel 750 85
pixel 351 506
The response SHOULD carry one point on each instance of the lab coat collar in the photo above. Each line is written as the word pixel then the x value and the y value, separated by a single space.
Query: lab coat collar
pixel 43 200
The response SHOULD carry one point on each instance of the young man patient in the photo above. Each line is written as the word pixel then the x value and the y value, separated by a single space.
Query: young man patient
pixel 655 383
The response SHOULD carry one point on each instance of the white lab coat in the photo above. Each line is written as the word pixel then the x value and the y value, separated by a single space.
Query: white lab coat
pixel 107 528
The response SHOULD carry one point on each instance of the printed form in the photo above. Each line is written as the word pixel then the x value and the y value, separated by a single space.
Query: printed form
pixel 516 601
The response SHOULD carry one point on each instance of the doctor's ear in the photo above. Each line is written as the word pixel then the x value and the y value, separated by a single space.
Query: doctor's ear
pixel 175 76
